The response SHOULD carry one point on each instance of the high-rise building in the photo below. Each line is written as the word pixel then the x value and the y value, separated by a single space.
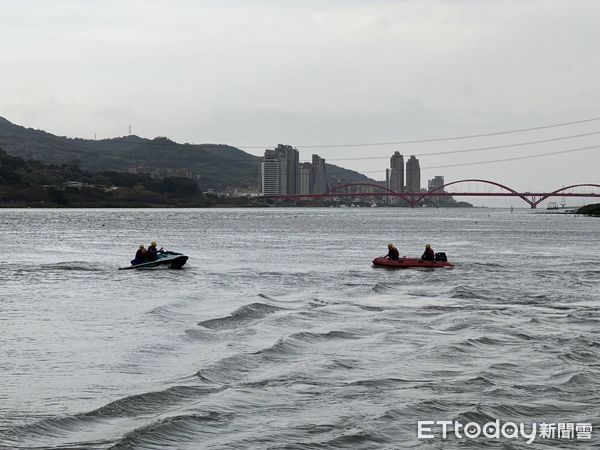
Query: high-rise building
pixel 279 171
pixel 413 175
pixel 318 178
pixel 291 161
pixel 304 177
pixel 282 173
pixel 272 170
pixel 435 183
pixel 397 172
pixel 388 184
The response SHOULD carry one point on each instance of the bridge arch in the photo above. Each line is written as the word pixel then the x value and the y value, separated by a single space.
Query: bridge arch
pixel 564 188
pixel 532 203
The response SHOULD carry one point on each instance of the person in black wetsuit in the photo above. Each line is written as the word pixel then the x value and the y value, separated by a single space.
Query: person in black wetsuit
pixel 428 254
pixel 140 256
pixel 393 253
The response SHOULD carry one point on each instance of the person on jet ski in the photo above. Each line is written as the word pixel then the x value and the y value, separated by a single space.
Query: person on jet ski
pixel 140 256
pixel 428 254
pixel 152 251
pixel 393 253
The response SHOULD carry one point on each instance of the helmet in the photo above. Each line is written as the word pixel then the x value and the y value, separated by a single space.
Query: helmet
pixel 390 245
pixel 153 243
pixel 427 245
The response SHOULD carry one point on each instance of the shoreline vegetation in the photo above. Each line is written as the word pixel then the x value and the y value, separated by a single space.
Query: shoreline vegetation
pixel 27 184
pixel 589 210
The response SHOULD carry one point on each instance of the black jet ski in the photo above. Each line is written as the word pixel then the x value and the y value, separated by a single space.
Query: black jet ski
pixel 172 260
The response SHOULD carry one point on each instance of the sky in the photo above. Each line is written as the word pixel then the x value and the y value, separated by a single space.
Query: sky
pixel 307 73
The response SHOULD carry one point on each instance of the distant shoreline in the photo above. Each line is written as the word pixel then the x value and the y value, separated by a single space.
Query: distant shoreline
pixel 224 206
pixel 592 210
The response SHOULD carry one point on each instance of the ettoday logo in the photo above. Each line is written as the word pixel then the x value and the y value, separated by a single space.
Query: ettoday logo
pixel 430 429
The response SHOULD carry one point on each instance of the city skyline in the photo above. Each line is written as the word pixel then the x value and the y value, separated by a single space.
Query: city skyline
pixel 282 173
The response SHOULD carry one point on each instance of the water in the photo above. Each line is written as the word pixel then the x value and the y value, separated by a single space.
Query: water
pixel 280 334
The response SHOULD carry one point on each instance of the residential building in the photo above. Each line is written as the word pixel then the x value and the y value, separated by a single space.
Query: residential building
pixel 397 172
pixel 291 161
pixel 304 177
pixel 435 183
pixel 273 176
pixel 318 178
pixel 413 175
pixel 279 171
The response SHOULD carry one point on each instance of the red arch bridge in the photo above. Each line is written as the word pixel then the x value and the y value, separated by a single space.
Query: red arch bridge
pixel 414 198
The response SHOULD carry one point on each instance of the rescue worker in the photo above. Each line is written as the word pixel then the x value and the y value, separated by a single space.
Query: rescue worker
pixel 152 251
pixel 393 253
pixel 428 254
pixel 140 256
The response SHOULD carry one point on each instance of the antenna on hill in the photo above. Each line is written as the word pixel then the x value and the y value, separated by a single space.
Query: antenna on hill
pixel 94 136
pixel 129 130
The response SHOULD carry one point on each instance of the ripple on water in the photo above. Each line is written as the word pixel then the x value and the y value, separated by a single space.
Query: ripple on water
pixel 283 345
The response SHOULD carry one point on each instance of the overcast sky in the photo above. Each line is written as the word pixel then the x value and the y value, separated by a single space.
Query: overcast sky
pixel 317 72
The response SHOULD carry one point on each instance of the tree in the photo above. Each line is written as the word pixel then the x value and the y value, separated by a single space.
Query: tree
pixel 179 186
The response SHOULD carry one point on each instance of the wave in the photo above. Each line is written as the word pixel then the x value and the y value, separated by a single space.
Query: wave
pixel 344 364
pixel 581 379
pixel 173 311
pixel 318 303
pixel 76 266
pixel 297 343
pixel 79 266
pixel 354 437
pixel 145 404
pixel 173 430
pixel 195 334
pixel 391 382
pixel 484 340
pixel 232 369
pixel 477 416
pixel 53 427
pixel 241 316
pixel 383 287
pixel 582 350
pixel 430 408
pixel 151 402
pixel 485 264
pixel 297 380
pixel 235 368
pixel 465 292
pixel 517 410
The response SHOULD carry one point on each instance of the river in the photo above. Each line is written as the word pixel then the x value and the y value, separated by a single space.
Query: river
pixel 280 334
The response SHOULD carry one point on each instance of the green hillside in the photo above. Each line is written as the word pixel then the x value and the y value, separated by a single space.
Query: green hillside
pixel 214 166
pixel 35 184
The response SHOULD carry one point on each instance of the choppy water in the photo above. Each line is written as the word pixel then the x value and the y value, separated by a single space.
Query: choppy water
pixel 280 334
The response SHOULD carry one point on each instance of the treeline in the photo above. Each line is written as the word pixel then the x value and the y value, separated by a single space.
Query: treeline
pixel 32 183
pixel 590 210
pixel 17 171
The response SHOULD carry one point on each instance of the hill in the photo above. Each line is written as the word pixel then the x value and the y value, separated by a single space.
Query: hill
pixel 35 184
pixel 214 166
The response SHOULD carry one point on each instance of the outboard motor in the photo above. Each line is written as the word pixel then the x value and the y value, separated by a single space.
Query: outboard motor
pixel 441 257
